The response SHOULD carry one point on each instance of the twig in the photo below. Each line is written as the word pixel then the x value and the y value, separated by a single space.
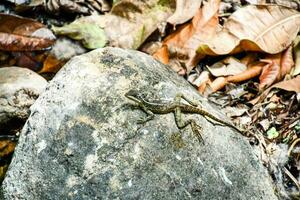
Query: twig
pixel 292 146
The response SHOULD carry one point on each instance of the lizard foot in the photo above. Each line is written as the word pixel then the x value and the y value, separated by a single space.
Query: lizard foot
pixel 197 130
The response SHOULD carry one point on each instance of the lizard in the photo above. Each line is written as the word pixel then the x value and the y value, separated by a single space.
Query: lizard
pixel 177 107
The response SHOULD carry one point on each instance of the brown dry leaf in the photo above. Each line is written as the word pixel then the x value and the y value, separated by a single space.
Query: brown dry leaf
pixel 7 147
pixel 296 48
pixel 187 37
pixel 251 72
pixel 218 84
pixel 131 22
pixel 285 3
pixel 51 64
pixel 162 54
pixel 23 34
pixel 269 74
pixel 278 66
pixel 287 62
pixel 292 85
pixel 255 28
pixel 30 60
pixel 185 10
pixel 226 67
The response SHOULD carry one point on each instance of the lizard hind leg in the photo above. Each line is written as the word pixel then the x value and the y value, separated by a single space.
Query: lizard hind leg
pixel 181 124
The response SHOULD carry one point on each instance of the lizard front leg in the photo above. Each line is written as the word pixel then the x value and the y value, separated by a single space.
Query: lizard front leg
pixel 181 124
pixel 149 116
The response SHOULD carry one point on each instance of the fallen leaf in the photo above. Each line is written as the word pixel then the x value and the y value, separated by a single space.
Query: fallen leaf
pixel 185 10
pixel 162 54
pixel 270 72
pixel 29 60
pixel 51 64
pixel 7 147
pixel 187 38
pixel 292 85
pixel 91 35
pixel 285 3
pixel 267 29
pixel 57 6
pixel 265 124
pixel 131 22
pixel 23 34
pixel 218 84
pixel 287 62
pixel 251 72
pixel 226 67
pixel 197 80
pixel 296 49
pixel 269 75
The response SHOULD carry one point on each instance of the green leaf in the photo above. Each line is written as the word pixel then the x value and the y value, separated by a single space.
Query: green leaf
pixel 272 133
pixel 91 35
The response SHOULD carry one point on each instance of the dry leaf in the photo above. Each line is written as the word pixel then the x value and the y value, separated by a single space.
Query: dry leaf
pixel 269 74
pixel 131 22
pixel 197 80
pixel 251 72
pixel 218 84
pixel 185 10
pixel 296 48
pixel 292 85
pixel 162 54
pixel 286 3
pixel 91 35
pixel 23 34
pixel 226 67
pixel 188 36
pixel 255 28
pixel 287 62
pixel 51 64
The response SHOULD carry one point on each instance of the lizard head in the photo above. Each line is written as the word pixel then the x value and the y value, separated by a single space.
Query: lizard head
pixel 135 96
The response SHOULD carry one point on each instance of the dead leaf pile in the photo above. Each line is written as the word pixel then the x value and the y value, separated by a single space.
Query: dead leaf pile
pixel 243 55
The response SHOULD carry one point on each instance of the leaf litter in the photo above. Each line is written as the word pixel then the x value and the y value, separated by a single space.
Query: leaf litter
pixel 242 55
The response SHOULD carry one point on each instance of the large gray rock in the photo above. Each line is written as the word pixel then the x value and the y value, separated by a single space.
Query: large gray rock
pixel 82 140
pixel 19 88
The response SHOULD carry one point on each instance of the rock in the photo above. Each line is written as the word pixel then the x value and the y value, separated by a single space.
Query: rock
pixel 82 141
pixel 19 88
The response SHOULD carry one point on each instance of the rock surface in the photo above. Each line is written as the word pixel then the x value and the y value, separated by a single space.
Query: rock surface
pixel 82 140
pixel 19 88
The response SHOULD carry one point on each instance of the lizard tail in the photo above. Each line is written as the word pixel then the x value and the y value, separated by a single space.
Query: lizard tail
pixel 222 122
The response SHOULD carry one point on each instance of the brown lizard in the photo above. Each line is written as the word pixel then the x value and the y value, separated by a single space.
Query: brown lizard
pixel 177 107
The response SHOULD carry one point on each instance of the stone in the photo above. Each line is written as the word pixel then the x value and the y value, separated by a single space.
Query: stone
pixel 82 141
pixel 19 88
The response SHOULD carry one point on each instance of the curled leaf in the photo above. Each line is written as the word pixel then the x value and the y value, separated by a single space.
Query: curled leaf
pixel 251 72
pixel 255 28
pixel 269 75
pixel 187 38
pixel 218 83
pixel 23 34
pixel 185 10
